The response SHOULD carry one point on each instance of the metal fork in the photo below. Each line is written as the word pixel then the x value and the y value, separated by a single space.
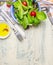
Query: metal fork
pixel 14 26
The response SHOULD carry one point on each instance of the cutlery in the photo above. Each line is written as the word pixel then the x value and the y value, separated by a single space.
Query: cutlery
pixel 17 30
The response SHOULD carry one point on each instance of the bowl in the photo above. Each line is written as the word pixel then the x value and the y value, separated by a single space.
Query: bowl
pixel 4 30
pixel 12 11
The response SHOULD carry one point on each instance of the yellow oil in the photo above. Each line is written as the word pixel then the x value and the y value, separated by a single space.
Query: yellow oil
pixel 4 29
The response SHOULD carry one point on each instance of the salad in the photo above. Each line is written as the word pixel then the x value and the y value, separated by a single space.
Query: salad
pixel 27 13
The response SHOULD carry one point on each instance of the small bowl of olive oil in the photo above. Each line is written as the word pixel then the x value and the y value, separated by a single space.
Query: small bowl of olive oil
pixel 4 30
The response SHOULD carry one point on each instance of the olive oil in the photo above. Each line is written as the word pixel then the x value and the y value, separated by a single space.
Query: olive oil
pixel 4 29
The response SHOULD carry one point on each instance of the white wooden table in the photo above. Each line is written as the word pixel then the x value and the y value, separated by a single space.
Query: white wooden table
pixel 36 49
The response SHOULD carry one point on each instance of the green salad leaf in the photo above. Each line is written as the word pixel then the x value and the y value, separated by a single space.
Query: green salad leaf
pixel 20 13
pixel 30 19
pixel 24 7
pixel 36 21
pixel 30 2
pixel 24 22
pixel 41 15
pixel 16 4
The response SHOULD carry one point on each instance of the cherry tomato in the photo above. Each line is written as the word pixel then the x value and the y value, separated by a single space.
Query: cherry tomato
pixel 8 5
pixel 24 3
pixel 33 13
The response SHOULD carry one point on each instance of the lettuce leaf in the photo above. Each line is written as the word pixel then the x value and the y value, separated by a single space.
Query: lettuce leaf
pixel 24 22
pixel 41 15
pixel 36 21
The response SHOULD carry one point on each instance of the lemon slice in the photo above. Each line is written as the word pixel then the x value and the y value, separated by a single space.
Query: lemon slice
pixel 4 30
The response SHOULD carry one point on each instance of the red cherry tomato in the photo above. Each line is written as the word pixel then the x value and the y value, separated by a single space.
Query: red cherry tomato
pixel 24 3
pixel 33 13
pixel 8 5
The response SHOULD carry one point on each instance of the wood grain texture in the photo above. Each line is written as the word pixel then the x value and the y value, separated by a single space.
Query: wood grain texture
pixel 36 49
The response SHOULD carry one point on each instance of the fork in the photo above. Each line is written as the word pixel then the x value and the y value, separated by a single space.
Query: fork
pixel 20 34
